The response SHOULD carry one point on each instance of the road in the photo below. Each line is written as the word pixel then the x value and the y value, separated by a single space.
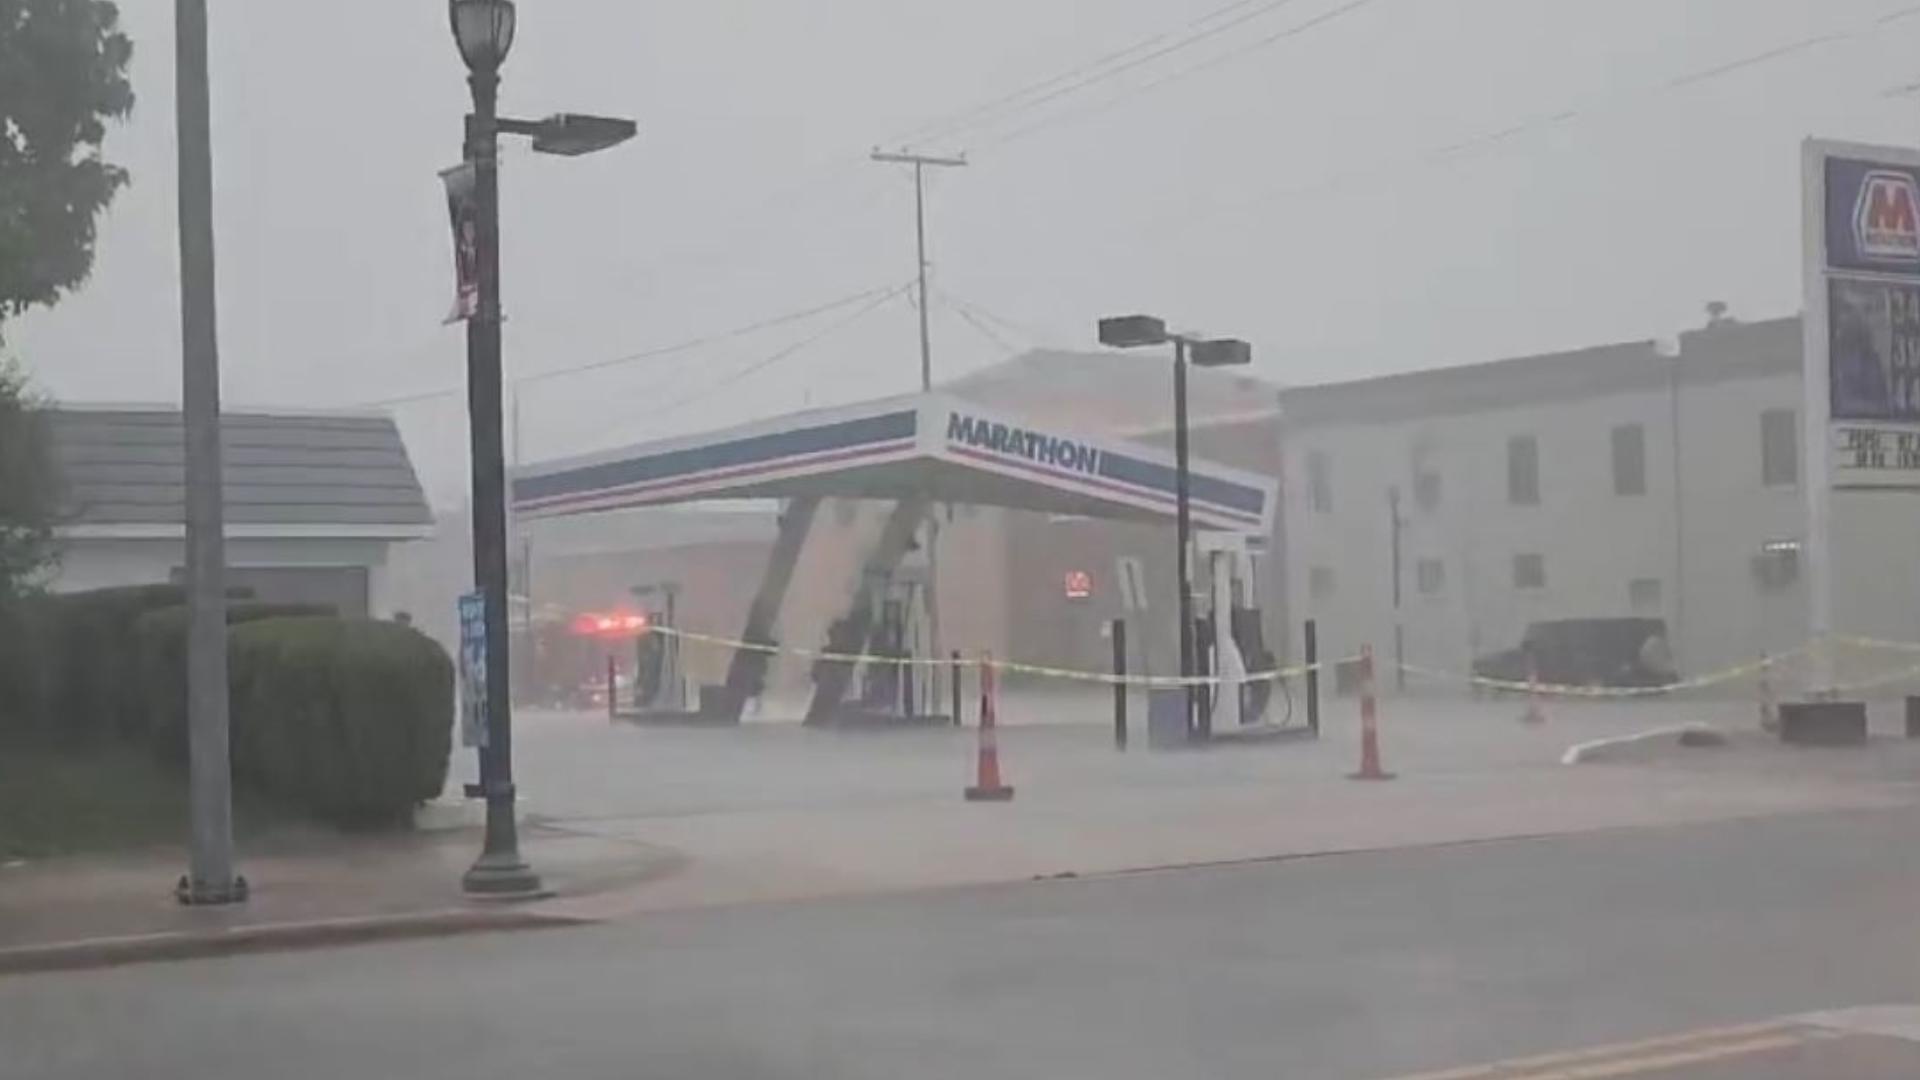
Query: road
pixel 1365 965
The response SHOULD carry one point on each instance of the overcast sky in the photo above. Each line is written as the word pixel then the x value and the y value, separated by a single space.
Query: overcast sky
pixel 1296 190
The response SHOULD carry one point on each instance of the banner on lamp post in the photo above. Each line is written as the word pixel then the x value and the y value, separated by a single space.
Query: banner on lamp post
pixel 473 670
pixel 463 210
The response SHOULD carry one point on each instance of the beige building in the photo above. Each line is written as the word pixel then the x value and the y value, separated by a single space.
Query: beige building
pixel 1628 479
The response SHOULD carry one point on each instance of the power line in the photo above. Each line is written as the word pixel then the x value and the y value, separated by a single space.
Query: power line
pixel 1178 74
pixel 654 353
pixel 986 331
pixel 952 121
pixel 965 307
pixel 1461 149
pixel 761 365
pixel 1120 69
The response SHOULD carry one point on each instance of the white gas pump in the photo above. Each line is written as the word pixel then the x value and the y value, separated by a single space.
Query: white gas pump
pixel 1229 569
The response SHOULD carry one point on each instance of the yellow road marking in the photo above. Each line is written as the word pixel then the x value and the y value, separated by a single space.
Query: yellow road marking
pixel 1633 1066
pixel 1745 1038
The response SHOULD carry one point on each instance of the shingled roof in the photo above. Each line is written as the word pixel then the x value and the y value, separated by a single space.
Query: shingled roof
pixel 293 475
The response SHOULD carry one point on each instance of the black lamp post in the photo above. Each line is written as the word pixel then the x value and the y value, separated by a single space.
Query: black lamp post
pixel 483 30
pixel 1134 331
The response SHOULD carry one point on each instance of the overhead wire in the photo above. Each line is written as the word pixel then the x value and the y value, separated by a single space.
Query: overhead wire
pixel 1473 145
pixel 956 120
pixel 1178 74
pixel 654 353
pixel 1137 62
pixel 1006 347
pixel 1032 337
pixel 784 353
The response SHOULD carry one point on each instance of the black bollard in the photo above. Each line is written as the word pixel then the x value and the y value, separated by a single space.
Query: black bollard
pixel 1119 635
pixel 1312 639
pixel 955 687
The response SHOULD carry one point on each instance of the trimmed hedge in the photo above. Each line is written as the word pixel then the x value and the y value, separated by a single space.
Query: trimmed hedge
pixel 93 660
pixel 161 644
pixel 24 684
pixel 348 719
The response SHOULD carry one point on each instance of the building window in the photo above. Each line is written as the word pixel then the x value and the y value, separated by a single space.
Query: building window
pixel 1320 582
pixel 1643 594
pixel 1319 482
pixel 1779 448
pixel 1630 460
pixel 1523 471
pixel 1430 576
pixel 1530 571
pixel 1426 489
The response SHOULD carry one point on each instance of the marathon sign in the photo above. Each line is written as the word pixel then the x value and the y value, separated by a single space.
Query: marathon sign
pixel 1873 217
pixel 1035 446
pixel 1863 303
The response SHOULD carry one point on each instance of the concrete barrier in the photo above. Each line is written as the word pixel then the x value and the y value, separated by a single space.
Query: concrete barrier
pixel 1823 723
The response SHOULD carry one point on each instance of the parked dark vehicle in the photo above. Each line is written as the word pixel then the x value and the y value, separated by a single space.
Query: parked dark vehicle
pixel 1625 652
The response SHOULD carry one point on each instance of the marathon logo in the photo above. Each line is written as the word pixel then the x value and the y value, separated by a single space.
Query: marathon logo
pixel 1886 217
pixel 1016 442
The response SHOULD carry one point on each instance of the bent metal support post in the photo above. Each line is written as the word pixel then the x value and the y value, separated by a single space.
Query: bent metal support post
pixel 987 785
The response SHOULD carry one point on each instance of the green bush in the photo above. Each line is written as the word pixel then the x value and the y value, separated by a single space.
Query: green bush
pixel 161 646
pixel 92 660
pixel 348 719
pixel 23 681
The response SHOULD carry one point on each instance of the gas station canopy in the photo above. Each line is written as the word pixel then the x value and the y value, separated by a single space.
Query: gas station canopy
pixel 936 447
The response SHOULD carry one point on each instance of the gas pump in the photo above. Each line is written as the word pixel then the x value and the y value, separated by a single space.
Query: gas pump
pixel 658 684
pixel 902 636
pixel 1235 642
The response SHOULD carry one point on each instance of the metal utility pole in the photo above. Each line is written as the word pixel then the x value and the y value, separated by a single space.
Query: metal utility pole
pixel 210 878
pixel 920 163
pixel 1199 725
pixel 1399 624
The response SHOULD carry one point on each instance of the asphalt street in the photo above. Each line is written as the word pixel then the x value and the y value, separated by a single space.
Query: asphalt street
pixel 1366 965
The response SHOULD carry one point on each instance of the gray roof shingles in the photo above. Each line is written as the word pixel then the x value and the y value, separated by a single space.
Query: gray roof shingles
pixel 125 467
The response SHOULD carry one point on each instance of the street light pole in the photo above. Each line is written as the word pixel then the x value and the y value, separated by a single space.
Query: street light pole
pixel 483 30
pixel 1135 331
pixel 1198 726
pixel 500 869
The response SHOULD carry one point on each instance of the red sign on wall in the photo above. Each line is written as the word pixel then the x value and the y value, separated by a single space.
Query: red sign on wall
pixel 1079 585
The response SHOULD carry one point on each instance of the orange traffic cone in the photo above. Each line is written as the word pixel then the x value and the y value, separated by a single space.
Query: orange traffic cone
pixel 1369 724
pixel 1769 705
pixel 1536 713
pixel 987 786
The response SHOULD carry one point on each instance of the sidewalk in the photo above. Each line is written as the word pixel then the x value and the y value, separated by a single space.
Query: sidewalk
pixel 308 889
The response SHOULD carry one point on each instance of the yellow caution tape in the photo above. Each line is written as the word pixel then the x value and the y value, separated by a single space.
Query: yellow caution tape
pixel 1106 678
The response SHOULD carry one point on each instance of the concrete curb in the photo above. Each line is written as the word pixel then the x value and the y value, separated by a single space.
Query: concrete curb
pixel 87 953
pixel 1601 749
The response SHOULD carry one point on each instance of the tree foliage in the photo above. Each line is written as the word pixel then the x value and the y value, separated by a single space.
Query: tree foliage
pixel 63 67
pixel 29 492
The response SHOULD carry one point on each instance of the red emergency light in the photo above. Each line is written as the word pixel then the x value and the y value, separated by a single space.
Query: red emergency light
pixel 613 624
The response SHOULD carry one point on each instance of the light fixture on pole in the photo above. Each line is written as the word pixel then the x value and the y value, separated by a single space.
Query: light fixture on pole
pixel 483 30
pixel 1136 331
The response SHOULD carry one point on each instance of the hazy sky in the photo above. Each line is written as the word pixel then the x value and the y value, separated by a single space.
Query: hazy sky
pixel 1295 190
